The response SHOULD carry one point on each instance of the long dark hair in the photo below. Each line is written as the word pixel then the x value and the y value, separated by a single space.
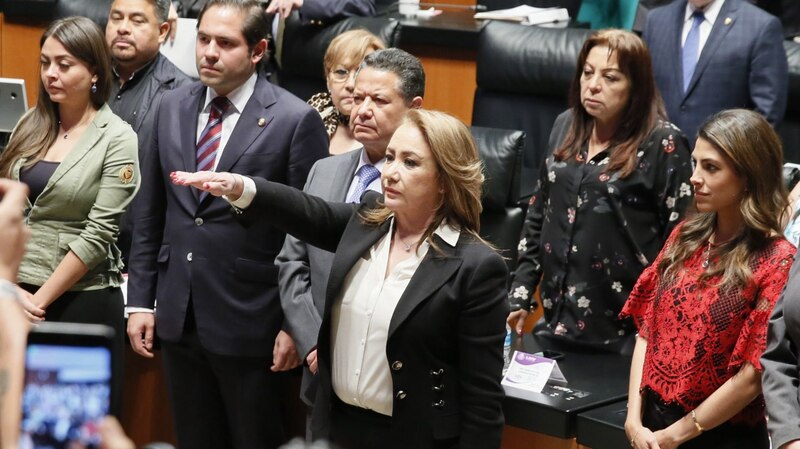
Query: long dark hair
pixel 37 130
pixel 748 142
pixel 640 115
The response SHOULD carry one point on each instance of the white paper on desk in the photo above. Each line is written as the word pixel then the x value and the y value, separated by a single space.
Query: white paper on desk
pixel 526 14
pixel 548 15
pixel 528 373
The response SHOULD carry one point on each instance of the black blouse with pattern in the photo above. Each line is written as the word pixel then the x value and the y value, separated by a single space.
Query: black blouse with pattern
pixel 589 233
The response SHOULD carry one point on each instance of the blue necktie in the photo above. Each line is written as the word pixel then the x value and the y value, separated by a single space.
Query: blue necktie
pixel 365 174
pixel 691 49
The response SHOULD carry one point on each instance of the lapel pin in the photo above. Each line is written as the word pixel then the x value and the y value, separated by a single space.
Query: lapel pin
pixel 728 21
pixel 261 122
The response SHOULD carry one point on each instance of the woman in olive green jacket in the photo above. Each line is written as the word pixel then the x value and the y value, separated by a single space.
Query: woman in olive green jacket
pixel 80 163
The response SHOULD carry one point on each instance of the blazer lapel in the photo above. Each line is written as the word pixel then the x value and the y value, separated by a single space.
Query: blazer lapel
pixel 346 170
pixel 358 241
pixel 85 144
pixel 721 27
pixel 431 274
pixel 191 106
pixel 249 126
pixel 675 47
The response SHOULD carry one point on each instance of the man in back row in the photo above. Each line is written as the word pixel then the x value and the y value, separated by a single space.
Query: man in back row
pixel 219 314
pixel 134 33
pixel 388 84
pixel 710 55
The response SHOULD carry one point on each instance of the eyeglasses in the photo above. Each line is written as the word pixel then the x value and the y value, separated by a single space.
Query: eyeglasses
pixel 341 75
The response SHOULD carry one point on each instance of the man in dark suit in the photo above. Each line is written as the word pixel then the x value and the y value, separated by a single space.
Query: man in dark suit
pixel 710 55
pixel 218 312
pixel 400 79
pixel 134 33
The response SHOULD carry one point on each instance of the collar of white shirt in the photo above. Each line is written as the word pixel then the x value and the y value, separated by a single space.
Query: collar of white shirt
pixel 238 97
pixel 445 231
pixel 710 12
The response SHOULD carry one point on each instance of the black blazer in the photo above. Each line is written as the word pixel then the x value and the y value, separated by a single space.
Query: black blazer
pixel 445 337
pixel 185 247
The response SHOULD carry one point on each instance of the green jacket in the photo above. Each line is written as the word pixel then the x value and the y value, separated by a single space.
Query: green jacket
pixel 80 208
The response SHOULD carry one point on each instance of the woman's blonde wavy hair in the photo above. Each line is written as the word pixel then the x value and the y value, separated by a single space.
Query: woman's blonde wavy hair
pixel 751 146
pixel 459 169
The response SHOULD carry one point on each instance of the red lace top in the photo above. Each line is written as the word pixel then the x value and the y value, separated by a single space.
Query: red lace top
pixel 699 336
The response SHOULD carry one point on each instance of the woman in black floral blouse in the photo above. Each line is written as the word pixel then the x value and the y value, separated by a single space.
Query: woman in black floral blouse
pixel 614 185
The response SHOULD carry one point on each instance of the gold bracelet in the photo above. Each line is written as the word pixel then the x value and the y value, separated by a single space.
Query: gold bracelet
pixel 697 424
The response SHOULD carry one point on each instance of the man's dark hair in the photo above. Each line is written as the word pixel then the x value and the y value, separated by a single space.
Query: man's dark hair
pixel 403 64
pixel 161 8
pixel 256 22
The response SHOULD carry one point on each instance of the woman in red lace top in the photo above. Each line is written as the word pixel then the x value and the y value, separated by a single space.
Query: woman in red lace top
pixel 702 307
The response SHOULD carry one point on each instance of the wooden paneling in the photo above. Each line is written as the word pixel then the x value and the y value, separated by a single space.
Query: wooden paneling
pixel 516 438
pixel 450 75
pixel 146 415
pixel 19 53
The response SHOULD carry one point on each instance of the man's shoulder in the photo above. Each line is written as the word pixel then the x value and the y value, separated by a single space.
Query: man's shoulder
pixel 164 70
pixel 192 87
pixel 666 10
pixel 351 157
pixel 753 14
pixel 281 96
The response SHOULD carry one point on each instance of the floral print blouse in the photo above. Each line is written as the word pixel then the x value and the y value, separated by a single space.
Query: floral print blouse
pixel 589 234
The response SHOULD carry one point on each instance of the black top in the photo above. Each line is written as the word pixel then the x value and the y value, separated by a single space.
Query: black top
pixel 36 177
pixel 589 233
pixel 126 100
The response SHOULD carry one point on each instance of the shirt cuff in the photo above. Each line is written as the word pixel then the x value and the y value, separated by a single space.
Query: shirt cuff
pixel 130 310
pixel 248 193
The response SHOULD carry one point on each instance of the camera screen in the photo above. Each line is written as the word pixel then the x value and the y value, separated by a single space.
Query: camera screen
pixel 67 393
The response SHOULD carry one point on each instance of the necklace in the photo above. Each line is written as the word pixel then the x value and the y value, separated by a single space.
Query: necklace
pixel 707 255
pixel 707 252
pixel 406 246
pixel 75 127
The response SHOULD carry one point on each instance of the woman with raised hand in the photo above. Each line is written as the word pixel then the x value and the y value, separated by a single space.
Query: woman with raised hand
pixel 410 347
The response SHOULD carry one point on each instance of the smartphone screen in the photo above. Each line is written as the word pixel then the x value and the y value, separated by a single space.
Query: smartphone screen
pixel 67 391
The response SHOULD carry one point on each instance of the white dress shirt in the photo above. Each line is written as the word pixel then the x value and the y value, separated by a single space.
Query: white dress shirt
pixel 360 323
pixel 710 14
pixel 238 98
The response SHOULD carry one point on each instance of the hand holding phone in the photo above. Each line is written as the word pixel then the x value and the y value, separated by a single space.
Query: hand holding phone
pixel 67 390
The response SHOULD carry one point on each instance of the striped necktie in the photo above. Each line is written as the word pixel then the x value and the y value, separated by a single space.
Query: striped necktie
pixel 208 144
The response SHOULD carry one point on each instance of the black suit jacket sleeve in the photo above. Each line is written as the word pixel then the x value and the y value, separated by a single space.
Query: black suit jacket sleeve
pixel 148 212
pixel 308 218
